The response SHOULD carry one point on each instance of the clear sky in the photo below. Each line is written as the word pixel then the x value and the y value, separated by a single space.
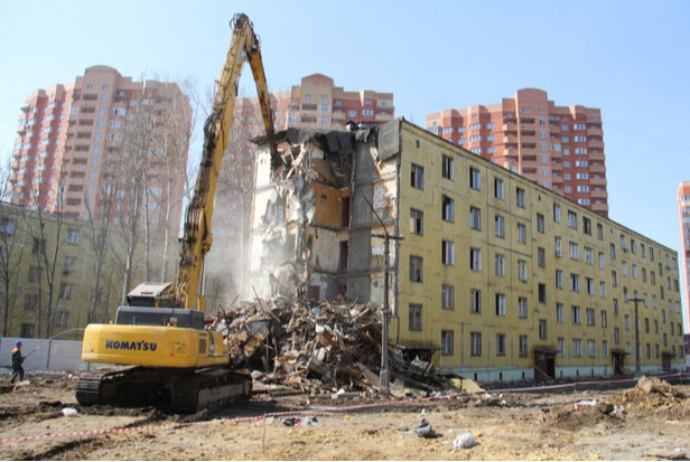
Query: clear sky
pixel 631 59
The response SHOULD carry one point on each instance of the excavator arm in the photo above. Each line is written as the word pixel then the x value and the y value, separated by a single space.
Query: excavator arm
pixel 197 239
pixel 159 334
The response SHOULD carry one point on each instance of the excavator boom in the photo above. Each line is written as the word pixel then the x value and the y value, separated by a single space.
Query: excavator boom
pixel 161 334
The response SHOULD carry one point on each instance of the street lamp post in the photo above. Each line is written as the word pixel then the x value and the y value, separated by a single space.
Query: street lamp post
pixel 385 378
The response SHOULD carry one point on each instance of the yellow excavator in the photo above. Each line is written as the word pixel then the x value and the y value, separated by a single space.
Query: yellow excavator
pixel 160 334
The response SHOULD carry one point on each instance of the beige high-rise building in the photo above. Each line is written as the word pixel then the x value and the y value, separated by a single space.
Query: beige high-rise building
pixel 559 147
pixel 74 141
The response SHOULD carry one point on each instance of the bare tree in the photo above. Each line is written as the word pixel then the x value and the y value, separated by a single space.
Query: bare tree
pixel 46 252
pixel 131 188
pixel 99 223
pixel 11 253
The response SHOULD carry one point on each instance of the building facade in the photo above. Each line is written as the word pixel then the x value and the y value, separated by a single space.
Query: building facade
pixel 492 276
pixel 559 147
pixel 58 274
pixel 78 143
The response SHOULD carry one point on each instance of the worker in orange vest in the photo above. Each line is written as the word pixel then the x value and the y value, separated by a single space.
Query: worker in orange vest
pixel 17 360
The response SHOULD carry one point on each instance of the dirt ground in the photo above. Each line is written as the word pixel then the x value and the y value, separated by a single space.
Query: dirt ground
pixel 647 422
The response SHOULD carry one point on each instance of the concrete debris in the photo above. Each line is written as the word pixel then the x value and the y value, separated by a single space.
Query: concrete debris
pixel 319 348
pixel 464 441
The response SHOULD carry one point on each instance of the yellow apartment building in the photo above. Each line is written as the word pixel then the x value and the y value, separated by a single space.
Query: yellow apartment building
pixel 492 276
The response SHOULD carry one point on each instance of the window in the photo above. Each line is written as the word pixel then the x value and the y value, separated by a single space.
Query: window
pixel 475 343
pixel 560 313
pixel 522 270
pixel 416 274
pixel 590 317
pixel 447 209
pixel 542 292
pixel 447 342
pixel 475 259
pixel 574 251
pixel 65 292
pixel 575 316
pixel 542 329
pixel 541 256
pixel 592 348
pixel 561 347
pixel 559 279
pixel 62 317
pixel 499 226
pixel 589 256
pixel 600 232
pixel 35 273
pixel 602 289
pixel 475 301
pixel 475 218
pixel 69 265
pixel 474 179
pixel 499 189
pixel 614 279
pixel 416 222
pixel 415 316
pixel 417 177
pixel 39 246
pixel 522 307
pixel 602 260
pixel 447 169
pixel 574 282
pixel 589 286
pixel 500 265
pixel 27 330
pixel 521 233
pixel 616 336
pixel 520 197
pixel 556 213
pixel 31 302
pixel 447 296
pixel 572 219
pixel 558 243
pixel 627 322
pixel 8 226
pixel 577 347
pixel 540 223
pixel 523 345
pixel 500 344
pixel 500 305
pixel 612 249
pixel 448 252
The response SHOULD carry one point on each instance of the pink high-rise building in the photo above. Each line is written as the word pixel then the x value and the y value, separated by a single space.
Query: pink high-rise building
pixel 684 218
pixel 71 137
pixel 559 147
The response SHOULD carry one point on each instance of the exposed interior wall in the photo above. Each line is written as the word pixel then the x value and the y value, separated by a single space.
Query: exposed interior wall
pixel 301 243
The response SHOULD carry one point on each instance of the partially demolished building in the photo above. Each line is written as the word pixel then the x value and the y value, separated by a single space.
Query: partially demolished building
pixel 491 275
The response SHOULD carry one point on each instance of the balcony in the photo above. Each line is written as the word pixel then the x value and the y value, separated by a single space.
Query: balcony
pixel 594 131
pixel 527 132
pixel 529 145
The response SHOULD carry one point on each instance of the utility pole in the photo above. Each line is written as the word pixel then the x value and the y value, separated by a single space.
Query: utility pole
pixel 385 378
pixel 637 337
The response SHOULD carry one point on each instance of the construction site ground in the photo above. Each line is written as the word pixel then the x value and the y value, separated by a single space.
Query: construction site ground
pixel 42 421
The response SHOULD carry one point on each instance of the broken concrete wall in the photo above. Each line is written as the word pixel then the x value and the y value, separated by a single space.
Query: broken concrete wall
pixel 309 232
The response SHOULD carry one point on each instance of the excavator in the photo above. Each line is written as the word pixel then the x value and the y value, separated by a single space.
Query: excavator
pixel 158 341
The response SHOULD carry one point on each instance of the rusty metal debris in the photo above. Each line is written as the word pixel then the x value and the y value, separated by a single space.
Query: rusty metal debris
pixel 316 348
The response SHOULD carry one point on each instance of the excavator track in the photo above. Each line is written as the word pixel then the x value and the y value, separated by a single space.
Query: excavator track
pixel 181 390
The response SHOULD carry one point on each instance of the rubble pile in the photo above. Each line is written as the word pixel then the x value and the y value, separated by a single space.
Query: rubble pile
pixel 316 348
pixel 651 394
